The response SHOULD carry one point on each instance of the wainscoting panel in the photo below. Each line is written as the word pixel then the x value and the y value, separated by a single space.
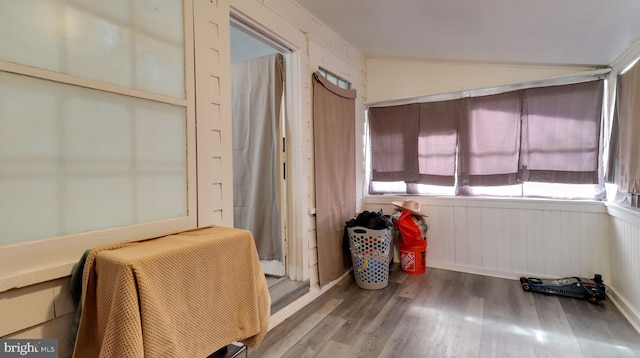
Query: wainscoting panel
pixel 511 238
pixel 625 262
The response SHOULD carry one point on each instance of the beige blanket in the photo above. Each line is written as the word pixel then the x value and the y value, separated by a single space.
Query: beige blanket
pixel 183 295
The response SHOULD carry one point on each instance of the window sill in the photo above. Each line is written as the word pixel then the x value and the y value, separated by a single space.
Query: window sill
pixel 33 262
pixel 631 215
pixel 38 275
pixel 494 202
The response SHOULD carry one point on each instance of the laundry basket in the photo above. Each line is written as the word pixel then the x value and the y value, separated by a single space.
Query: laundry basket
pixel 370 255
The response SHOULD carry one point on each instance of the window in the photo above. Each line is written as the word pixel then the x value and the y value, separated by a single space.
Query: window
pixel 537 142
pixel 96 127
pixel 335 79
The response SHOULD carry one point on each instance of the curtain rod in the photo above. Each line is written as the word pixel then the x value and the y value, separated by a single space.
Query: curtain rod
pixel 552 81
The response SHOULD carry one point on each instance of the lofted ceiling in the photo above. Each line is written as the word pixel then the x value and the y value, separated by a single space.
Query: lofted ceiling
pixel 548 32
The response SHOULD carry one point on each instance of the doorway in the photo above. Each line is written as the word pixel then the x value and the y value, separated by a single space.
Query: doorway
pixel 259 144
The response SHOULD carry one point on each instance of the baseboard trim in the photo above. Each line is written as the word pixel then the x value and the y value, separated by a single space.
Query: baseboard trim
pixel 627 310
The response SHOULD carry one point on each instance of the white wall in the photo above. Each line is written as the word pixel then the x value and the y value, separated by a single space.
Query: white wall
pixel 392 79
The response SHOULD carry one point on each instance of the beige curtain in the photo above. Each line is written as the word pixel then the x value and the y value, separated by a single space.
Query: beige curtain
pixel 629 126
pixel 257 89
pixel 334 148
pixel 624 162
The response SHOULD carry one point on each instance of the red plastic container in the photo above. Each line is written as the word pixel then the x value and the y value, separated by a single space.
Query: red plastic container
pixel 413 258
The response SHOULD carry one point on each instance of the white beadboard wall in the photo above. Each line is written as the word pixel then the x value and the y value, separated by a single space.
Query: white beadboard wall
pixel 625 261
pixel 513 238
pixel 540 238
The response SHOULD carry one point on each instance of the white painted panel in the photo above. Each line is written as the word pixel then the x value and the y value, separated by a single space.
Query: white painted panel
pixel 629 270
pixel 474 227
pixel 63 302
pixel 553 238
pixel 535 241
pixel 213 57
pixel 217 164
pixel 570 260
pixel 624 253
pixel 214 91
pixel 26 307
pixel 519 247
pixel 504 240
pixel 218 219
pixel 434 234
pixel 216 192
pixel 211 36
pixel 447 233
pixel 489 238
pixel 603 231
pixel 461 237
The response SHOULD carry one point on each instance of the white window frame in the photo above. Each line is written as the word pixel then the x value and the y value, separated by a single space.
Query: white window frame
pixel 335 79
pixel 564 193
pixel 27 263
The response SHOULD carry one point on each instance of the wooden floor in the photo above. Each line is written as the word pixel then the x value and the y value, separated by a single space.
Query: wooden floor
pixel 283 291
pixel 449 314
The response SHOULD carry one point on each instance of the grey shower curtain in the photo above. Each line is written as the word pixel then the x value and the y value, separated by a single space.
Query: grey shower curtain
pixel 335 168
pixel 257 89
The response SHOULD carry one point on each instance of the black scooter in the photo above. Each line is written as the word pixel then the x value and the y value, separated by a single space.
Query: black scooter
pixel 592 290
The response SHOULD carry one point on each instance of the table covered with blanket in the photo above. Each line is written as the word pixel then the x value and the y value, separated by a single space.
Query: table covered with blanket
pixel 182 295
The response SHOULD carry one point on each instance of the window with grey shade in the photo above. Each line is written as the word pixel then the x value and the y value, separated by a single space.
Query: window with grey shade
pixel 502 141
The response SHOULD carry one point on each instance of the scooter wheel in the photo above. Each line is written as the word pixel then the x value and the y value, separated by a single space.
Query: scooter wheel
pixel 526 286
